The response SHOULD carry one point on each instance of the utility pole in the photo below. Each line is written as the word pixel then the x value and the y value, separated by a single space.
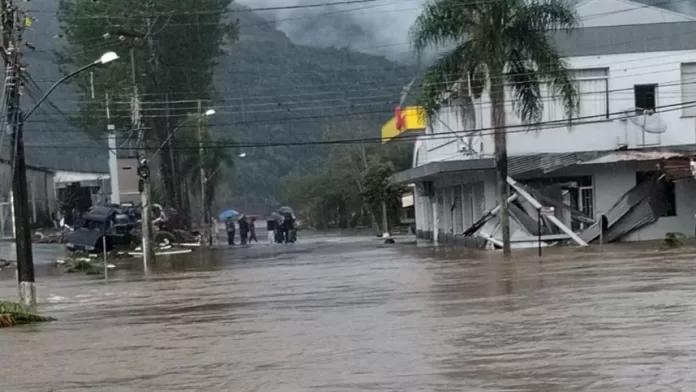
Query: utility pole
pixel 12 29
pixel 143 173
pixel 173 167
pixel 113 157
pixel 385 220
pixel 207 239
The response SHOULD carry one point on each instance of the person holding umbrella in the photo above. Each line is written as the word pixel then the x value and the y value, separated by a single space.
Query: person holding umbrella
pixel 228 217
pixel 229 225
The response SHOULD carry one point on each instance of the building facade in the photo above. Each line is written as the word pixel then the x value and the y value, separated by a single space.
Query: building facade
pixel 635 70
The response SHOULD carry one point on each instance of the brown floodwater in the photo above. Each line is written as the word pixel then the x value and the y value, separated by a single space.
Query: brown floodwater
pixel 350 314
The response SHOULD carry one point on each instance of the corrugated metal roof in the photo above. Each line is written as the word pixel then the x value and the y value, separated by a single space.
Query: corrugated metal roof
pixel 547 163
pixel 517 165
pixel 655 37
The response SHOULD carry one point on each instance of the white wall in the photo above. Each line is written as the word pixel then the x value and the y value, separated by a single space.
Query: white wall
pixel 624 70
pixel 480 200
pixel 613 181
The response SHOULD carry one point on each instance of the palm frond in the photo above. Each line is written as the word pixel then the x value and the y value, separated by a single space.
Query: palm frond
pixel 525 88
pixel 530 40
pixel 442 76
pixel 550 15
pixel 442 22
pixel 12 313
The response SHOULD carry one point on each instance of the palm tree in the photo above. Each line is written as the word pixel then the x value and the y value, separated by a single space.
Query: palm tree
pixel 498 43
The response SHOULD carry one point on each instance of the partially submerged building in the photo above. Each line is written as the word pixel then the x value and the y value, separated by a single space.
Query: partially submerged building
pixel 635 69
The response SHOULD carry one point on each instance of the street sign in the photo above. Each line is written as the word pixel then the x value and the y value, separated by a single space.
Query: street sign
pixel 547 211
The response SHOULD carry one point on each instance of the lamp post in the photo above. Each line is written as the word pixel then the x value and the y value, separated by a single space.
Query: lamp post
pixel 25 261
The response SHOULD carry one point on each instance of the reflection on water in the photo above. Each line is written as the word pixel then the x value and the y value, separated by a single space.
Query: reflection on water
pixel 355 315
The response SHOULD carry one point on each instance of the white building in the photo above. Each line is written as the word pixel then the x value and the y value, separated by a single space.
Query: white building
pixel 626 56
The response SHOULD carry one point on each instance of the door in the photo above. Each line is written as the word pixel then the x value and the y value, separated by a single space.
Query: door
pixel 458 211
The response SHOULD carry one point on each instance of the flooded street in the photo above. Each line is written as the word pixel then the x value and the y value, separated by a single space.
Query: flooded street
pixel 352 314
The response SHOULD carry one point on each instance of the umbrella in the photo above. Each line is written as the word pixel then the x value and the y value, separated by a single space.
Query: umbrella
pixel 275 216
pixel 286 210
pixel 228 214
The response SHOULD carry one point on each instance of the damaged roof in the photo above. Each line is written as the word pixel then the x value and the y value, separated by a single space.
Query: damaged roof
pixel 540 164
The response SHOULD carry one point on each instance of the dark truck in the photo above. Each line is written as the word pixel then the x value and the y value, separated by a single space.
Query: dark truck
pixel 97 222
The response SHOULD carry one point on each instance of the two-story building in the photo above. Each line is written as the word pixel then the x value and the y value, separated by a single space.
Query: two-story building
pixel 635 68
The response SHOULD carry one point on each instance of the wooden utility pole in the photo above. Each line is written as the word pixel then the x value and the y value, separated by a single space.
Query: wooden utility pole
pixel 501 161
pixel 143 173
pixel 12 30
pixel 173 166
pixel 207 238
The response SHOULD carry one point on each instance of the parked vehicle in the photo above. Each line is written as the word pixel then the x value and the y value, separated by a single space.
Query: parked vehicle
pixel 98 222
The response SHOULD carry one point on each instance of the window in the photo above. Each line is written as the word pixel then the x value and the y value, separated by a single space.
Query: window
pixel 670 193
pixel 593 96
pixel 645 98
pixel 688 89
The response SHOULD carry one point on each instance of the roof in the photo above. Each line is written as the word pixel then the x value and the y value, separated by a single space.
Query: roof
pixel 70 176
pixel 537 164
pixel 31 167
pixel 623 12
pixel 651 37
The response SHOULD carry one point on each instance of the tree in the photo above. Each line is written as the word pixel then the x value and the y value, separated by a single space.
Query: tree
pixel 501 44
pixel 354 184
pixel 216 159
pixel 174 47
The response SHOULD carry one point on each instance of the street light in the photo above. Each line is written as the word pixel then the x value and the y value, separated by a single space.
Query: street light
pixel 25 260
pixel 104 59
pixel 209 112
pixel 242 155
pixel 107 58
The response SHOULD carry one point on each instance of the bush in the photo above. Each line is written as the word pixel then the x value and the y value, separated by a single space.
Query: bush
pixel 673 240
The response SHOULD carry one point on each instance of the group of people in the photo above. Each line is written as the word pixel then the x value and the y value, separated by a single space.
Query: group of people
pixel 247 230
pixel 281 229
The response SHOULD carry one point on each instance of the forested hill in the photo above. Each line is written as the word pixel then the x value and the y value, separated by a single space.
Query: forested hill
pixel 278 92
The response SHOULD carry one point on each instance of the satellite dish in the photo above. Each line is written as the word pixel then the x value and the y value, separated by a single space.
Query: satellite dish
pixel 647 120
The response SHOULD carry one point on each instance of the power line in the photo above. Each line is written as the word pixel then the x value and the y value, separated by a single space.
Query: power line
pixel 486 131
pixel 288 107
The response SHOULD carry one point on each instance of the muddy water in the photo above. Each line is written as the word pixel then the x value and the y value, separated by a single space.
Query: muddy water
pixel 352 315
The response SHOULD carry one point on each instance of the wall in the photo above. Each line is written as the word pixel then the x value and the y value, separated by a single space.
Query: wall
pixel 611 181
pixel 128 180
pixel 625 71
pixel 40 187
pixel 481 200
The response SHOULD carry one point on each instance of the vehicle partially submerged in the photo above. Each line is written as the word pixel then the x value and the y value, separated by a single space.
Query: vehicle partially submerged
pixel 101 222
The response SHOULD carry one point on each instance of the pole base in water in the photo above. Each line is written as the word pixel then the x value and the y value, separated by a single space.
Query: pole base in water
pixel 27 294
